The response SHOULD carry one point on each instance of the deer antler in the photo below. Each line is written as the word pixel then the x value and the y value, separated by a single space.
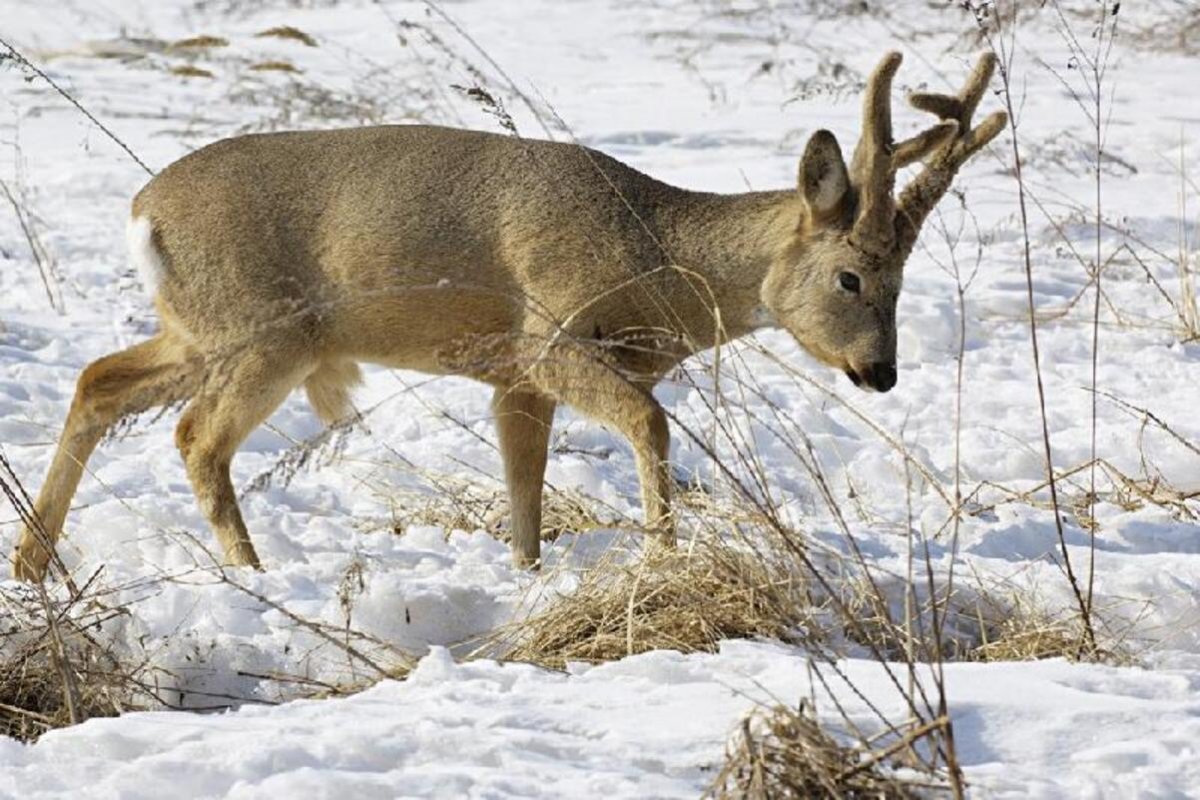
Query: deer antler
pixel 919 197
pixel 877 158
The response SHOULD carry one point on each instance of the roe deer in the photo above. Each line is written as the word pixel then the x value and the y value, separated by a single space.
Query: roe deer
pixel 550 271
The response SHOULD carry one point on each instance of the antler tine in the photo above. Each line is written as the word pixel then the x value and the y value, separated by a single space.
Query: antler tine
pixel 963 106
pixel 871 168
pixel 919 197
pixel 877 158
pixel 913 150
pixel 876 136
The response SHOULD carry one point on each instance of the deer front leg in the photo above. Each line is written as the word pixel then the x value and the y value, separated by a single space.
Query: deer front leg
pixel 523 421
pixel 584 379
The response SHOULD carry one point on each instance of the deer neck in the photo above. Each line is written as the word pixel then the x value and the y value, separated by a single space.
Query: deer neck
pixel 730 242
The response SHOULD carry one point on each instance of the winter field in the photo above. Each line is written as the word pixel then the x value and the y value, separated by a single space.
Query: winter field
pixel 879 580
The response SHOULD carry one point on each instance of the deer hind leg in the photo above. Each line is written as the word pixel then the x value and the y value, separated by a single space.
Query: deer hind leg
pixel 584 379
pixel 523 421
pixel 237 397
pixel 156 372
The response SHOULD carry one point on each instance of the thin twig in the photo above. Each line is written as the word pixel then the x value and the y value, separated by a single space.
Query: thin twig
pixel 20 58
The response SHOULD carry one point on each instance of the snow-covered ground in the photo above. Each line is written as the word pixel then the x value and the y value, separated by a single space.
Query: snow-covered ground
pixel 708 95
pixel 652 725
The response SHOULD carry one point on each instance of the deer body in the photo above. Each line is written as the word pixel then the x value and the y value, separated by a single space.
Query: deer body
pixel 550 271
pixel 391 244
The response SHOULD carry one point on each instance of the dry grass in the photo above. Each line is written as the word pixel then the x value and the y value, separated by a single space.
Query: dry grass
pixel 977 624
pixel 274 66
pixel 1022 627
pixel 203 42
pixel 189 71
pixel 302 687
pixel 304 103
pixel 1027 635
pixel 868 617
pixel 456 504
pixel 31 226
pixel 54 672
pixel 288 32
pixel 687 600
pixel 784 754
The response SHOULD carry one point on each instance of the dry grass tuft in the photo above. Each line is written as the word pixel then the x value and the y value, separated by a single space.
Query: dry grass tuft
pixel 1022 628
pixel 32 699
pixel 685 601
pixel 189 71
pixel 1028 639
pixel 58 674
pixel 978 624
pixel 203 42
pixel 275 66
pixel 288 32
pixel 783 753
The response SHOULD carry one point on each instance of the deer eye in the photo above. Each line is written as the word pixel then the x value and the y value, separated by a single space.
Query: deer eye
pixel 850 282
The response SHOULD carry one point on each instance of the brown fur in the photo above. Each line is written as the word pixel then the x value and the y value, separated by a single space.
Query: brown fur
pixel 553 272
pixel 329 387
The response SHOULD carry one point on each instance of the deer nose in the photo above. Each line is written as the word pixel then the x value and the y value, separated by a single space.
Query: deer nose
pixel 881 376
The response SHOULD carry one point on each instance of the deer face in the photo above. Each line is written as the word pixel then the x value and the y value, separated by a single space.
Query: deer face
pixel 835 287
pixel 840 305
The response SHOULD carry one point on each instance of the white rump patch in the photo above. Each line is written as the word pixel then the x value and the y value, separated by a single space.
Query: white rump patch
pixel 139 234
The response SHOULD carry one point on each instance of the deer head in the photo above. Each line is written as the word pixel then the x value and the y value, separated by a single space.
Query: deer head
pixel 836 286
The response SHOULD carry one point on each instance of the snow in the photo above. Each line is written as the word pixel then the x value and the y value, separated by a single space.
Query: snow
pixel 681 92
pixel 652 725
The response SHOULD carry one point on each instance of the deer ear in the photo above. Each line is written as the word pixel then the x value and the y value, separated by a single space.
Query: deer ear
pixel 824 182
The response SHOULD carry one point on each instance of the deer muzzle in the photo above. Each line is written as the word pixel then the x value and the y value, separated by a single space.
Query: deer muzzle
pixel 880 376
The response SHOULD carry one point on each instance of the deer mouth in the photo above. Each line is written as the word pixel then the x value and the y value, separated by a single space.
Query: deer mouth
pixel 854 377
